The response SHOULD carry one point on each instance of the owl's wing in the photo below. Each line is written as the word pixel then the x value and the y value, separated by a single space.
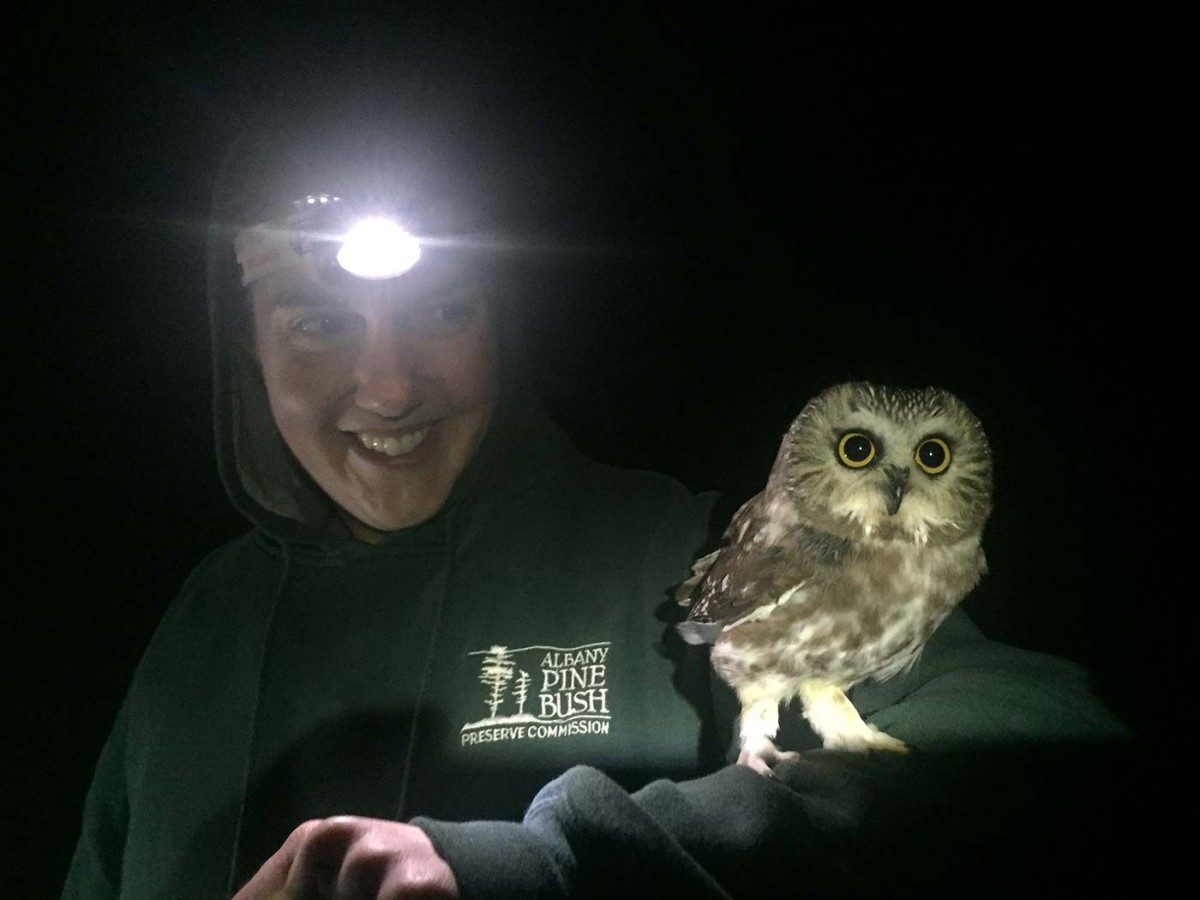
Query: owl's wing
pixel 748 574
pixel 684 594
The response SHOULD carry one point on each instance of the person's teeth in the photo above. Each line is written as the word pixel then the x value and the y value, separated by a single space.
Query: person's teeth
pixel 393 446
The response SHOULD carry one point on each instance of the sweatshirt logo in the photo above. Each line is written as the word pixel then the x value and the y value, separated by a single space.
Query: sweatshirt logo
pixel 538 692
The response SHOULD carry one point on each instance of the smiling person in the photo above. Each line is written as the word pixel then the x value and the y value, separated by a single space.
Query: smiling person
pixel 434 665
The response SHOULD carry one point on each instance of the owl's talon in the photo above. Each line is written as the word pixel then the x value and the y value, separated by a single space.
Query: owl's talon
pixel 889 744
pixel 762 756
pixel 871 739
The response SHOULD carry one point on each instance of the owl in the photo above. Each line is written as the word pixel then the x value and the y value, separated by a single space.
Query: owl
pixel 866 536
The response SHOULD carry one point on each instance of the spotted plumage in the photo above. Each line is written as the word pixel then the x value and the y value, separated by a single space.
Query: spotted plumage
pixel 866 536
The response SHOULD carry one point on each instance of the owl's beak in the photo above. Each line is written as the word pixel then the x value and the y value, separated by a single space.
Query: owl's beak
pixel 894 488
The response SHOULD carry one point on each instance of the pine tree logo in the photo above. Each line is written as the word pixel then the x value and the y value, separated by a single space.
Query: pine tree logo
pixel 521 690
pixel 563 691
pixel 496 672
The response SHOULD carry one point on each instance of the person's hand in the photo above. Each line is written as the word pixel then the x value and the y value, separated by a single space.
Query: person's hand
pixel 352 858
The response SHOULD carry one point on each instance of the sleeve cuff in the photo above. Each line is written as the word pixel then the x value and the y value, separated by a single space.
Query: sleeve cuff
pixel 497 860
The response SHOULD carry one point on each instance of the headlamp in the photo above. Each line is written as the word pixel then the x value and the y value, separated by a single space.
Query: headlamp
pixel 324 229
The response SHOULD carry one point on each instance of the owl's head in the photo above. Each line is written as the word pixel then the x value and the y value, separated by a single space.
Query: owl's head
pixel 868 461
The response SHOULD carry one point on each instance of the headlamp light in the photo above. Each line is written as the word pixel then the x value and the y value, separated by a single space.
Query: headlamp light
pixel 324 229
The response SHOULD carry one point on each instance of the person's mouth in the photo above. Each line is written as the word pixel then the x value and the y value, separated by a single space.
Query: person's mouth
pixel 393 445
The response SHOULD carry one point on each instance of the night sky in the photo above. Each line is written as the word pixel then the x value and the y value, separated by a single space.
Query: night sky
pixel 781 204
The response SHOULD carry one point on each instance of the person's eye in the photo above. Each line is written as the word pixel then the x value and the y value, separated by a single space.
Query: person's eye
pixel 448 316
pixel 456 311
pixel 327 328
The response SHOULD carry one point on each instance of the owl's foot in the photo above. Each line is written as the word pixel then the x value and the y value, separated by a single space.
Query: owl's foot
pixel 833 717
pixel 757 725
pixel 761 755
pixel 870 738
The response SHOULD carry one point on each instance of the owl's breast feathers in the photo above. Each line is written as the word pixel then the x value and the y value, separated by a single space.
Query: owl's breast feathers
pixel 807 603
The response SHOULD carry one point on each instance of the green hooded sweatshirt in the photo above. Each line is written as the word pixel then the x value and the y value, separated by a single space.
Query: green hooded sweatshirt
pixel 504 676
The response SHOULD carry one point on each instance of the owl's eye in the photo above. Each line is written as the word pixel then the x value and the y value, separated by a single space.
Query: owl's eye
pixel 855 449
pixel 933 456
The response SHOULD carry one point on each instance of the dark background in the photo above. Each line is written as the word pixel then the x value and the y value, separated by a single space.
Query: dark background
pixel 785 200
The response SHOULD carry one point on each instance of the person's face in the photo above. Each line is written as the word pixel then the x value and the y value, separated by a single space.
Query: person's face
pixel 382 390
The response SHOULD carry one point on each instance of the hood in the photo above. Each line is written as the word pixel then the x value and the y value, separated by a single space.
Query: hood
pixel 375 153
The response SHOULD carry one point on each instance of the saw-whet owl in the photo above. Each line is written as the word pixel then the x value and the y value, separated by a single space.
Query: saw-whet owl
pixel 867 534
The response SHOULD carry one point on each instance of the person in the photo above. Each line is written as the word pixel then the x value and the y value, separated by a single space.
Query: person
pixel 438 664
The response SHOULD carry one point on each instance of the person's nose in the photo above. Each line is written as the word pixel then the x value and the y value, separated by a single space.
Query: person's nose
pixel 387 372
